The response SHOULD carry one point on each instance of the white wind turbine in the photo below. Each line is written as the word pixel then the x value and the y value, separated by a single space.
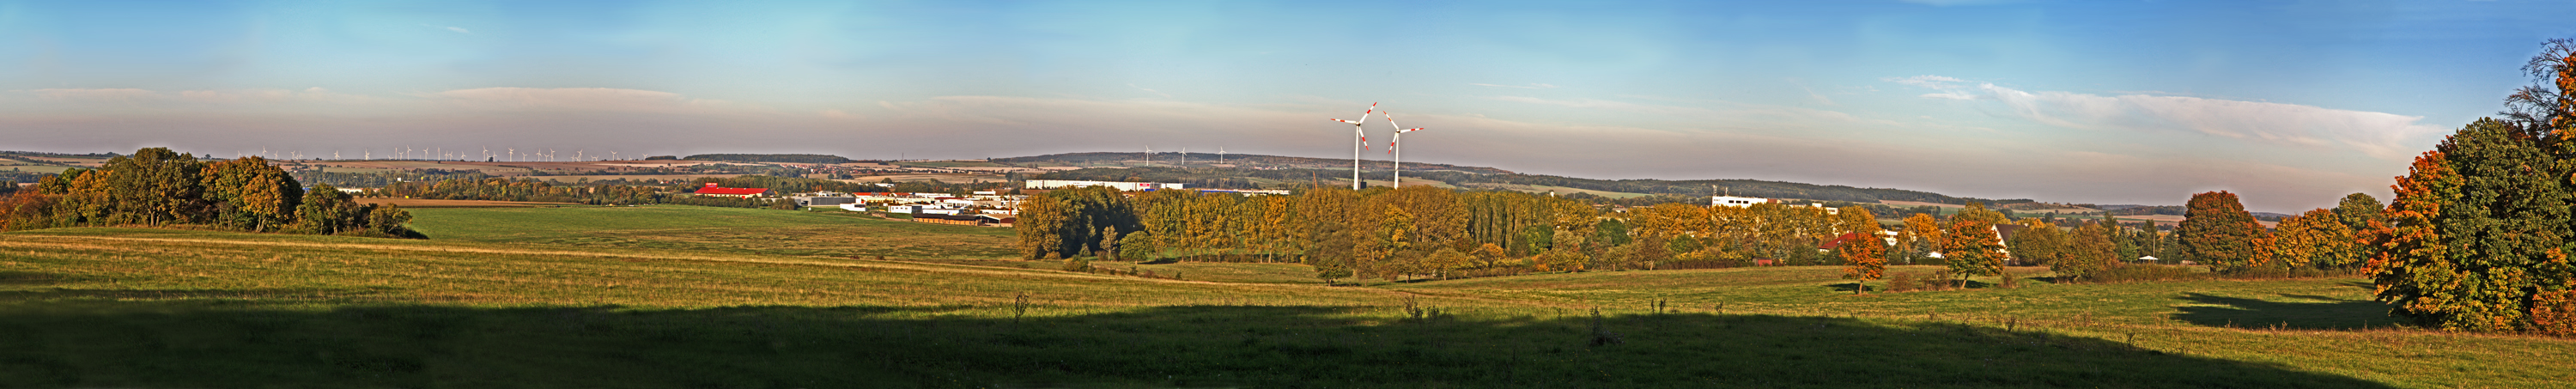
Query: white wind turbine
pixel 1362 138
pixel 1391 150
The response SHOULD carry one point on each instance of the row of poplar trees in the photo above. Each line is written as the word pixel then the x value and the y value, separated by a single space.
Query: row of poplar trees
pixel 1378 232
pixel 159 187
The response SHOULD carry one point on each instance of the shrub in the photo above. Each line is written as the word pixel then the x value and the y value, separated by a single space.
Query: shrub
pixel 2135 273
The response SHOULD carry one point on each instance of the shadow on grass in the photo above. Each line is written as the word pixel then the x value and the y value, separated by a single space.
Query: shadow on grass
pixel 2300 312
pixel 75 342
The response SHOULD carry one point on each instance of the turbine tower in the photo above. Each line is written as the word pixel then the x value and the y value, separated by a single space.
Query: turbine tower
pixel 1362 138
pixel 1391 150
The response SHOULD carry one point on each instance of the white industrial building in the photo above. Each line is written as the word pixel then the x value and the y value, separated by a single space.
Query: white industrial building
pixel 1124 186
pixel 1738 202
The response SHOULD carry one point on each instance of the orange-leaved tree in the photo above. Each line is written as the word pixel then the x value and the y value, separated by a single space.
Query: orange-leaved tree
pixel 1861 248
pixel 1971 244
pixel 2313 239
pixel 2216 231
pixel 1921 238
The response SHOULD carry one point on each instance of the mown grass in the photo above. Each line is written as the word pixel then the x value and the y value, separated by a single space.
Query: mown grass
pixel 730 230
pixel 483 307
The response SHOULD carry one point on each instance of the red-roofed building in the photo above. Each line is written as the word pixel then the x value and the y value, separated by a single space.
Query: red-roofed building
pixel 712 190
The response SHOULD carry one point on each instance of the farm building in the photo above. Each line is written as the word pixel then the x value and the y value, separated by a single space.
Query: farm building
pixel 712 190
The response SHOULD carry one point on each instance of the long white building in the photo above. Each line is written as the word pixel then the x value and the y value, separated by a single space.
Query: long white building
pixel 1124 186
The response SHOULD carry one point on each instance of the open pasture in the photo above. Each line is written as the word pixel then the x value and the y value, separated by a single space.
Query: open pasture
pixel 729 230
pixel 548 297
pixel 436 203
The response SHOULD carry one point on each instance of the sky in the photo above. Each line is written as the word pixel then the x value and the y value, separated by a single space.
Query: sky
pixel 2290 104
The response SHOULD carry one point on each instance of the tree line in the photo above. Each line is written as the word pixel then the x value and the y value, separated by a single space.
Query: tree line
pixel 159 187
pixel 1378 232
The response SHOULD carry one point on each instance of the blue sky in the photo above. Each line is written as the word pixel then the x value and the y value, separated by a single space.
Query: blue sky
pixel 2290 103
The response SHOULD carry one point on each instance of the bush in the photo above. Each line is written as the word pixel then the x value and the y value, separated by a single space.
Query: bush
pixel 2136 273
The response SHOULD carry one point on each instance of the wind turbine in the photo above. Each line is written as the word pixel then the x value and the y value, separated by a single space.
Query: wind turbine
pixel 1391 150
pixel 1149 155
pixel 1220 154
pixel 1363 143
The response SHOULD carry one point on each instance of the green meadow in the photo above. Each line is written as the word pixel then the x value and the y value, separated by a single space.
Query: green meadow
pixel 692 297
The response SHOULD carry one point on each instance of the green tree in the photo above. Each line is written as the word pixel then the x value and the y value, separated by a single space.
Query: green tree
pixel 1332 253
pixel 1138 246
pixel 2089 250
pixel 2038 243
pixel 2478 236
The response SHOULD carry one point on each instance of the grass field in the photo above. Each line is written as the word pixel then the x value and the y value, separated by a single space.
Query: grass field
pixel 38 168
pixel 715 297
pixel 435 203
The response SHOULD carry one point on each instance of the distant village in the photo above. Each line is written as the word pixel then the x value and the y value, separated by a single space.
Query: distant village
pixel 979 208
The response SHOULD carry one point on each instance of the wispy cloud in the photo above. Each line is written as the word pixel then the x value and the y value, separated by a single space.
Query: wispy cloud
pixel 2377 134
pixel 1155 92
pixel 1530 86
pixel 459 30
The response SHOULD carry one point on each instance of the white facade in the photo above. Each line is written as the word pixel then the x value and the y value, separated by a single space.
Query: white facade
pixel 1124 186
pixel 1738 202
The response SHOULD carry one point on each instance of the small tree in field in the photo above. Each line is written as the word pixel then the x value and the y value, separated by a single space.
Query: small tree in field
pixel 1971 245
pixel 1866 256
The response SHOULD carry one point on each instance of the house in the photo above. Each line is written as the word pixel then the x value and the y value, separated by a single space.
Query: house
pixel 1839 240
pixel 712 190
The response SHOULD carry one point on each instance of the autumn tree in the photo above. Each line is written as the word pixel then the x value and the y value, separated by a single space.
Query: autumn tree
pixel 2360 214
pixel 1970 243
pixel 2216 231
pixel 2477 239
pixel 2316 238
pixel 250 194
pixel 1863 253
pixel 1921 238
